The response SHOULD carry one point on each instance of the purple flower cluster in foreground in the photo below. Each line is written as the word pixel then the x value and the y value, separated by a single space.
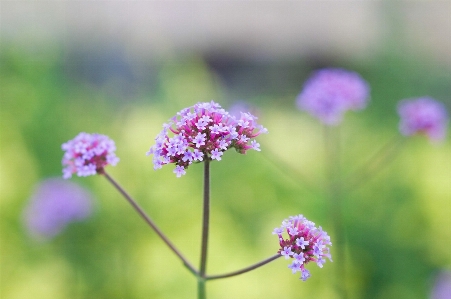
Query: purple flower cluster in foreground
pixel 87 154
pixel 305 243
pixel 423 116
pixel 330 92
pixel 54 204
pixel 203 131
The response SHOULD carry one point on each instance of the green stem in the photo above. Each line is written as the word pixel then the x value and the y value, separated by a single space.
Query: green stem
pixel 244 270
pixel 333 152
pixel 201 292
pixel 149 221
pixel 205 229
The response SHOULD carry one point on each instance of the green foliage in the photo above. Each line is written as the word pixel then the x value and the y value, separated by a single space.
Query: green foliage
pixel 394 228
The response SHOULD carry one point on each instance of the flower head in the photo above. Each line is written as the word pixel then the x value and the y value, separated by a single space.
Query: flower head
pixel 203 131
pixel 54 204
pixel 423 116
pixel 304 243
pixel 87 154
pixel 442 286
pixel 330 92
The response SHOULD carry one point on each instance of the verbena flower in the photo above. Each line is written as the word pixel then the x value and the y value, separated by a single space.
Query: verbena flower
pixel 442 286
pixel 304 243
pixel 239 106
pixel 423 116
pixel 87 154
pixel 54 204
pixel 330 92
pixel 203 131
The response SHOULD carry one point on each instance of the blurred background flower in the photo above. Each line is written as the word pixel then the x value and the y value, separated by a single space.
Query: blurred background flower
pixel 55 204
pixel 329 93
pixel 423 116
pixel 442 285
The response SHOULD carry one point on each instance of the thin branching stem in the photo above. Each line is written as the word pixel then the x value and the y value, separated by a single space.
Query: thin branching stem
pixel 244 270
pixel 334 182
pixel 205 218
pixel 205 229
pixel 149 221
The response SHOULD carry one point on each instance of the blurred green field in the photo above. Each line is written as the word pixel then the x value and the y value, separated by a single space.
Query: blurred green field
pixel 397 224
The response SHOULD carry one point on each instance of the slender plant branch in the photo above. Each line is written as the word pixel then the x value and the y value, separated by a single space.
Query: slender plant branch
pixel 334 182
pixel 373 165
pixel 150 222
pixel 201 292
pixel 244 270
pixel 205 218
pixel 205 229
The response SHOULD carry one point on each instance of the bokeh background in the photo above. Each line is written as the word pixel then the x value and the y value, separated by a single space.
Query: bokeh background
pixel 122 68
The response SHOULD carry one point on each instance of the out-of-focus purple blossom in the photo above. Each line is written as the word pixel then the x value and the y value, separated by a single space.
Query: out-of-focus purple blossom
pixel 330 92
pixel 305 243
pixel 423 116
pixel 239 106
pixel 442 286
pixel 54 204
pixel 87 154
pixel 203 131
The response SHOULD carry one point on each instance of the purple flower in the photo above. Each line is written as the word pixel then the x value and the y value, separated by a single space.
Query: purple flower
pixel 423 116
pixel 179 170
pixel 295 266
pixel 216 154
pixel 304 243
pixel 286 252
pixel 299 257
pixel 301 242
pixel 87 154
pixel 203 131
pixel 329 93
pixel 54 204
pixel 277 231
pixel 442 287
pixel 239 106
pixel 305 274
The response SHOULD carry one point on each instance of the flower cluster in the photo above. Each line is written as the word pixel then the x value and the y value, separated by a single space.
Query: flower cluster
pixel 54 204
pixel 203 131
pixel 305 243
pixel 423 116
pixel 330 92
pixel 442 286
pixel 87 154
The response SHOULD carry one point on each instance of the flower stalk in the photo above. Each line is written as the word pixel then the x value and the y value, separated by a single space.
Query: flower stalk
pixel 334 183
pixel 205 218
pixel 244 270
pixel 205 229
pixel 150 222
